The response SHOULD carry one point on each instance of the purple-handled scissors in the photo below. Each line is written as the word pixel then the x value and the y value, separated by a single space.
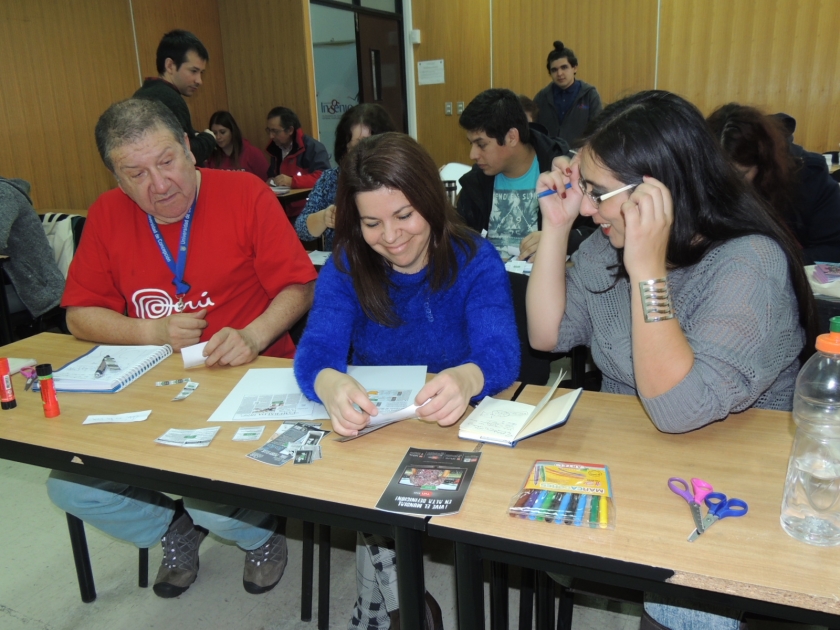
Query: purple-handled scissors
pixel 701 489
pixel 720 507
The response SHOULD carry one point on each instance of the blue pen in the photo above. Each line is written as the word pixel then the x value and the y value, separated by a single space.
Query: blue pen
pixel 550 191
pixel 581 508
pixel 564 504
pixel 536 504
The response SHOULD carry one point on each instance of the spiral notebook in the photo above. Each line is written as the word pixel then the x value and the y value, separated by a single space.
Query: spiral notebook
pixel 124 365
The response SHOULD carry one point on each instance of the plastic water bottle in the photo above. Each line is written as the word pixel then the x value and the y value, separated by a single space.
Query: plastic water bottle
pixel 811 505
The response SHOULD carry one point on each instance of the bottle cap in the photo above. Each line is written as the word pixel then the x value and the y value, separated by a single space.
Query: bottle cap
pixel 830 342
pixel 44 369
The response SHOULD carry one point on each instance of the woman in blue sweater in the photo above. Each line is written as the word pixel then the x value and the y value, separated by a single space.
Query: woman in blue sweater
pixel 408 284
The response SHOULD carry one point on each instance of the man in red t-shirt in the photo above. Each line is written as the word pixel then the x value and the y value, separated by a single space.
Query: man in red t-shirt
pixel 178 255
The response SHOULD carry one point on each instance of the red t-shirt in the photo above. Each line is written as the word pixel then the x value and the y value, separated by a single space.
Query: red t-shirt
pixel 252 160
pixel 242 252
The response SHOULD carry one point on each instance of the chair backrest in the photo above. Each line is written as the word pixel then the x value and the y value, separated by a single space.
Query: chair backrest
pixel 63 233
pixel 452 172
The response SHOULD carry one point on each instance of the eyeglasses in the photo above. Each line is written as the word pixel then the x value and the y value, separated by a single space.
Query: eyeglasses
pixel 273 132
pixel 597 199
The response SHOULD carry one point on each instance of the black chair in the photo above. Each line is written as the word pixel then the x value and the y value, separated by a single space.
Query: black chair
pixel 84 573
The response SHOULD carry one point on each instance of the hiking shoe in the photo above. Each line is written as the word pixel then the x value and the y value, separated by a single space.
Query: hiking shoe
pixel 179 566
pixel 264 565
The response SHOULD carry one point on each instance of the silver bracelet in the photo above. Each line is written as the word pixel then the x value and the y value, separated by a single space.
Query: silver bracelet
pixel 656 300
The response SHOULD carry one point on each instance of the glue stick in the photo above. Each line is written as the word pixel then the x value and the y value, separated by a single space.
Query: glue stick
pixel 48 397
pixel 7 392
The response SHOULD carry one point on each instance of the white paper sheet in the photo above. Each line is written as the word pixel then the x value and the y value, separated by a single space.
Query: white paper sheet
pixel 319 257
pixel 192 355
pixel 16 364
pixel 279 388
pixel 134 416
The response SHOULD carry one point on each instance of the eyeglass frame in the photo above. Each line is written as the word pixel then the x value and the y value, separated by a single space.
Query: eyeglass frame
pixel 597 199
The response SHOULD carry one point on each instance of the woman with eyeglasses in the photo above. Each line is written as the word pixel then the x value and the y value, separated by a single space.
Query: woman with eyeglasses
pixel 691 296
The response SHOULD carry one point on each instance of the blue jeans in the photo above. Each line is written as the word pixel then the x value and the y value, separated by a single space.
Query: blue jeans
pixel 681 614
pixel 142 517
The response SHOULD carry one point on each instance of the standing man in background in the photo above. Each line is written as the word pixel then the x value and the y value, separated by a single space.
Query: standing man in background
pixel 180 60
pixel 566 104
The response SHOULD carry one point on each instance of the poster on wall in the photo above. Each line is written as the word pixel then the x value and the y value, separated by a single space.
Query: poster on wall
pixel 336 87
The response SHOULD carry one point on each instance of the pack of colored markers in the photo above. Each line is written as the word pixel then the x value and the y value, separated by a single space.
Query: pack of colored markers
pixel 566 493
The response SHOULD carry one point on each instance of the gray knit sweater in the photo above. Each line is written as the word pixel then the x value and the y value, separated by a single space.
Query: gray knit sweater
pixel 736 307
pixel 31 266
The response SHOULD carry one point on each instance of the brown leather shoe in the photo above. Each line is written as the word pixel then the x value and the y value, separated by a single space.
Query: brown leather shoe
pixel 179 565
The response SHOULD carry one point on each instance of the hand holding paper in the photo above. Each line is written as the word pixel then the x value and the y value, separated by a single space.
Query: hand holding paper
pixel 231 346
pixel 450 393
pixel 339 393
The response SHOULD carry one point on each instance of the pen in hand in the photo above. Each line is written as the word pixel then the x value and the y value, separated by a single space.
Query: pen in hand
pixel 551 191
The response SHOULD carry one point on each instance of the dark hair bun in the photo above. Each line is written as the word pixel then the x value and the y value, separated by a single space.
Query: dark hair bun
pixel 558 45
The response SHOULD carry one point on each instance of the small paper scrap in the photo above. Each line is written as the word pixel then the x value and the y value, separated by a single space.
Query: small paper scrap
pixel 175 382
pixel 248 434
pixel 189 388
pixel 192 355
pixel 189 438
pixel 134 416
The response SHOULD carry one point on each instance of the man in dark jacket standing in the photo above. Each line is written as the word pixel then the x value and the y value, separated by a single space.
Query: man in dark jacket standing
pixel 566 104
pixel 297 160
pixel 180 60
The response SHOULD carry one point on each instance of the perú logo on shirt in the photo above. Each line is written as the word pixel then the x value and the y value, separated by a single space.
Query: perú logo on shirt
pixel 157 303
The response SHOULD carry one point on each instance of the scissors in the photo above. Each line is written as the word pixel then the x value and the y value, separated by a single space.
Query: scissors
pixel 30 375
pixel 701 489
pixel 719 507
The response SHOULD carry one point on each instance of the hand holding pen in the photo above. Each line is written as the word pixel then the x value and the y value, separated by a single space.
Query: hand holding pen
pixel 559 195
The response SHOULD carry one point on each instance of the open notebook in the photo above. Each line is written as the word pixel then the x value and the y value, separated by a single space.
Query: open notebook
pixel 126 364
pixel 506 422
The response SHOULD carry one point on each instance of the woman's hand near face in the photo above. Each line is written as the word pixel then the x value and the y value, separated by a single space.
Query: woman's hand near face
pixel 449 393
pixel 648 215
pixel 560 210
pixel 339 393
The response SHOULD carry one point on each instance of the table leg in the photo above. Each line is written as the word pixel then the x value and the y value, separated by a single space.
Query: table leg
pixel 545 601
pixel 470 576
pixel 80 555
pixel 526 599
pixel 498 596
pixel 143 569
pixel 324 547
pixel 307 561
pixel 408 545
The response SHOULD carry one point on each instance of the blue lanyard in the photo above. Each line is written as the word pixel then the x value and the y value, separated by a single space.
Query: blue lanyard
pixel 176 267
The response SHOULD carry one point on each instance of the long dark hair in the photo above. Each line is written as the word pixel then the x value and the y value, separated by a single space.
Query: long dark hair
pixel 660 134
pixel 397 162
pixel 750 138
pixel 225 119
pixel 370 115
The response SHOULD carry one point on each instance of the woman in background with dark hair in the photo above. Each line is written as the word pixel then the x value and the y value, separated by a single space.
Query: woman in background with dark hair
pixel 408 284
pixel 692 296
pixel 318 216
pixel 233 152
pixel 794 182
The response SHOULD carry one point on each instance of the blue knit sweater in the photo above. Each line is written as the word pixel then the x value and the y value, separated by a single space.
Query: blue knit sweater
pixel 321 197
pixel 471 322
